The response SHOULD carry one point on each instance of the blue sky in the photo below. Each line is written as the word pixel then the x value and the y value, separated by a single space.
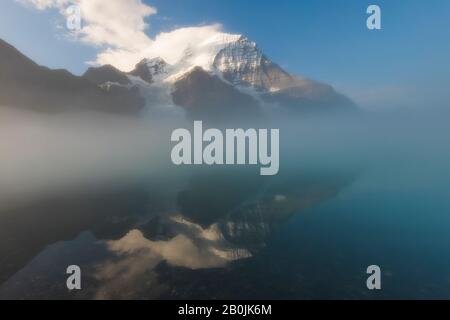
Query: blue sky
pixel 322 39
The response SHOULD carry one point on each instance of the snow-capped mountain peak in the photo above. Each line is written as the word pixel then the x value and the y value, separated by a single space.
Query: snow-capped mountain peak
pixel 202 54
pixel 234 58
pixel 239 61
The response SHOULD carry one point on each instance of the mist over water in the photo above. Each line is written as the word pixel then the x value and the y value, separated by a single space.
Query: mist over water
pixel 101 191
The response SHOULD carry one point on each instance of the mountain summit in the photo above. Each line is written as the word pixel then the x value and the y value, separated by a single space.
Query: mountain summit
pixel 242 63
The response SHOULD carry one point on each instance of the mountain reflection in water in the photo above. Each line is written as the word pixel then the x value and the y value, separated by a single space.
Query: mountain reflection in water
pixel 130 238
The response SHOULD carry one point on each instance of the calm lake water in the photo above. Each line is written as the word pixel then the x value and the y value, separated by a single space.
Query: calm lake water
pixel 340 203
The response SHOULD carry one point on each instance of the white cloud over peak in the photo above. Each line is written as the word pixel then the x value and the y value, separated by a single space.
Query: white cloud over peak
pixel 171 46
pixel 117 28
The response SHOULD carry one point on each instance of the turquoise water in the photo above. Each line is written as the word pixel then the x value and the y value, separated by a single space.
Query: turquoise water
pixel 405 232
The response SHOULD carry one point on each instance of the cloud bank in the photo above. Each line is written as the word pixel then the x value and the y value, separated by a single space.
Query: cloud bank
pixel 118 29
